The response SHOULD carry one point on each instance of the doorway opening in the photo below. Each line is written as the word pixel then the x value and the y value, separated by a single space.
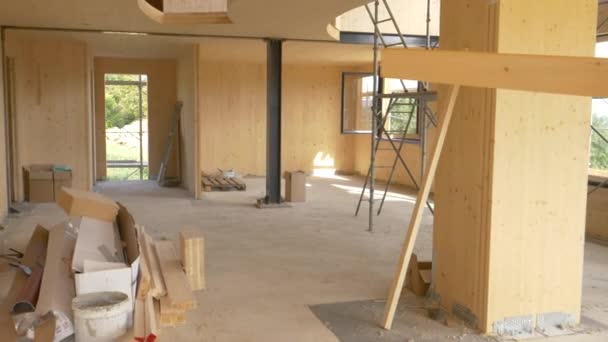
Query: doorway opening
pixel 126 121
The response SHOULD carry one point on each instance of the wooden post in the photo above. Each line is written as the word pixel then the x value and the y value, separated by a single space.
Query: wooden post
pixel 414 226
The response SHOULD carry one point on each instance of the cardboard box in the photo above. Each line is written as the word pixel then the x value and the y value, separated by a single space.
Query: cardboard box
pixel 295 186
pixel 97 241
pixel 121 279
pixel 62 178
pixel 87 204
pixel 419 276
pixel 38 183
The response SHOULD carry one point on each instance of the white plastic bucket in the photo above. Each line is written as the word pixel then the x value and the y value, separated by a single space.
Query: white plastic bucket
pixel 101 316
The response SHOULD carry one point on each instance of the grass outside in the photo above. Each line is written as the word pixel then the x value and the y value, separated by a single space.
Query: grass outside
pixel 123 145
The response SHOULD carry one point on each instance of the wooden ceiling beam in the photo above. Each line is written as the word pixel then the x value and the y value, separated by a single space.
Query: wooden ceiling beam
pixel 582 76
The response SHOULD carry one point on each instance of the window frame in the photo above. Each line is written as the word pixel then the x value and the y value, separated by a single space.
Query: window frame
pixel 411 139
pixel 343 102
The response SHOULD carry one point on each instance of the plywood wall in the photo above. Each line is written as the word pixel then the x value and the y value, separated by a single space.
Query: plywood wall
pixel 52 117
pixel 510 190
pixel 232 109
pixel 311 120
pixel 187 67
pixel 162 96
pixel 3 157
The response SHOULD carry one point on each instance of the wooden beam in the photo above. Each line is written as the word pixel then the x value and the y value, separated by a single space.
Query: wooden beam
pixel 157 284
pixel 178 290
pixel 583 76
pixel 193 257
pixel 415 221
pixel 195 6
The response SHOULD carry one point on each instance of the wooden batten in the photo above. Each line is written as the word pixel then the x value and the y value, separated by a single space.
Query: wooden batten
pixel 583 76
pixel 179 294
pixel 157 283
pixel 192 249
pixel 195 6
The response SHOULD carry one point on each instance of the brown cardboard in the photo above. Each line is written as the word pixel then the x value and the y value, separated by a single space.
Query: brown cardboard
pixel 295 186
pixel 38 183
pixel 61 179
pixel 88 204
pixel 57 289
pixel 419 276
pixel 35 253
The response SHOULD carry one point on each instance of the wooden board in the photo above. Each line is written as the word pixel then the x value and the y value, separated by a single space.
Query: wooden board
pixel 145 277
pixel 583 76
pixel 157 285
pixel 195 6
pixel 178 290
pixel 192 248
pixel 414 225
pixel 152 327
pixel 170 315
pixel 139 320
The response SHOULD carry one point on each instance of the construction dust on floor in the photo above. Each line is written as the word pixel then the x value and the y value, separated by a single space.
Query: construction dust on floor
pixel 310 272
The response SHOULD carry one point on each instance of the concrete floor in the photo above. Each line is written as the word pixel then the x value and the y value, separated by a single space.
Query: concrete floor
pixel 273 274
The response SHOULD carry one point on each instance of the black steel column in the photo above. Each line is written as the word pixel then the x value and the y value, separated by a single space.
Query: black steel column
pixel 273 130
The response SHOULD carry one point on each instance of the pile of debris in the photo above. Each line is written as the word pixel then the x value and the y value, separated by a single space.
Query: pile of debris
pixel 98 275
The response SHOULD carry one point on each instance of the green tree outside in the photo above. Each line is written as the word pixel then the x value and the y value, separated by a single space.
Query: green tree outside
pixel 122 101
pixel 599 148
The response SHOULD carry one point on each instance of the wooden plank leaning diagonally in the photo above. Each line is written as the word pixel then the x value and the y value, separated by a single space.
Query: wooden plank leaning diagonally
pixel 145 276
pixel 178 289
pixel 582 76
pixel 414 225
pixel 157 284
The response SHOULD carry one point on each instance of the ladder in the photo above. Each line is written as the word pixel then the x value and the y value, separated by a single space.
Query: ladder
pixel 379 119
pixel 164 165
pixel 386 135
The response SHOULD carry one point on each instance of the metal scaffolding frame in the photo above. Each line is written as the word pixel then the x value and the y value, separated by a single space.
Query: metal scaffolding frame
pixel 602 184
pixel 419 103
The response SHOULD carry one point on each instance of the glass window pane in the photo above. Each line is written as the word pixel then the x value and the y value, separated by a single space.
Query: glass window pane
pixel 357 102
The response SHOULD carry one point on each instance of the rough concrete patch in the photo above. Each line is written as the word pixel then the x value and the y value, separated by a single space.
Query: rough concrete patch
pixel 358 322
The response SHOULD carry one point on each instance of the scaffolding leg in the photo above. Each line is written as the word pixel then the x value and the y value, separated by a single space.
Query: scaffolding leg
pixel 376 146
pixel 390 177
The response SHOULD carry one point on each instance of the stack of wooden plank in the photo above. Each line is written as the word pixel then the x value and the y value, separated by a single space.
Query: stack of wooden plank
pixel 167 282
pixel 220 183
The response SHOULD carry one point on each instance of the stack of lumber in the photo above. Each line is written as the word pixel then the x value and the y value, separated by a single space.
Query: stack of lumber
pixel 167 281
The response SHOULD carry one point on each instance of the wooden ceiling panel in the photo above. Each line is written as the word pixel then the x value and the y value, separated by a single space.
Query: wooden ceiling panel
pixel 309 19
